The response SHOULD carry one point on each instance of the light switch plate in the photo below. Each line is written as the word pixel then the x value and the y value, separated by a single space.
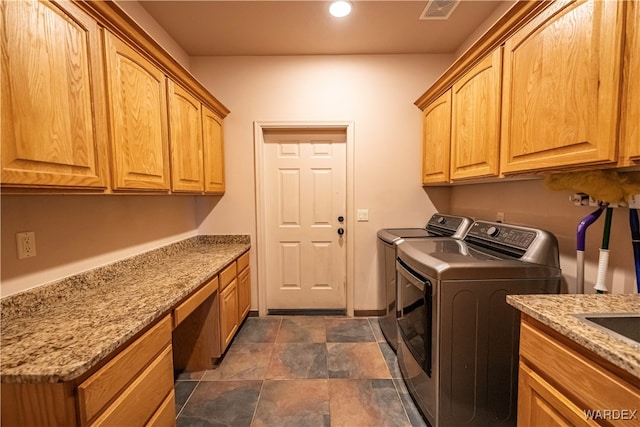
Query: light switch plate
pixel 363 214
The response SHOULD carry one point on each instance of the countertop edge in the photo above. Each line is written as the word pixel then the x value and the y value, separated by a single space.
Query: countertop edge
pixel 100 279
pixel 561 319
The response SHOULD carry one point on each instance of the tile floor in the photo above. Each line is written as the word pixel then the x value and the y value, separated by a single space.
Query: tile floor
pixel 300 371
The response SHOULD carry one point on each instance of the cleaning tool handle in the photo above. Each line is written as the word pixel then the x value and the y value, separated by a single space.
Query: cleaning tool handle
pixel 580 272
pixel 603 265
pixel 607 228
pixel 584 224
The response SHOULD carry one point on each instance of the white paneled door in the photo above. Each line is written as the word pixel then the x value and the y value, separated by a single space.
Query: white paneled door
pixel 305 223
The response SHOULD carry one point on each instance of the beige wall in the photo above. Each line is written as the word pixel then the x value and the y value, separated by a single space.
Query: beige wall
pixel 502 8
pixel 135 10
pixel 530 203
pixel 75 233
pixel 376 93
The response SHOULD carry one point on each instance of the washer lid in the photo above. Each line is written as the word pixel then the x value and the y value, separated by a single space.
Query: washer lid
pixel 390 235
pixel 450 259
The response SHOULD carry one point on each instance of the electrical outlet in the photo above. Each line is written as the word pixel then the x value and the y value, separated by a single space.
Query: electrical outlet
pixel 26 244
pixel 500 217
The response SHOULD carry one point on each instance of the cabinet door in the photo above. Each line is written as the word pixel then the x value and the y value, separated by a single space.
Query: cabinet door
pixel 244 294
pixel 228 313
pixel 52 101
pixel 436 140
pixel 561 82
pixel 630 134
pixel 213 144
pixel 539 404
pixel 186 140
pixel 475 130
pixel 138 119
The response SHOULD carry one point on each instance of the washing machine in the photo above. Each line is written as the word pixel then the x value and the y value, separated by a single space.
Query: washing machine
pixel 457 337
pixel 439 225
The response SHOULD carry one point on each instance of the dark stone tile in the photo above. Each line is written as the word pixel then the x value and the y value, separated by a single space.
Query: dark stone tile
pixel 243 361
pixel 390 359
pixel 349 330
pixel 377 331
pixel 298 360
pixel 183 390
pixel 293 403
pixel 302 329
pixel 188 376
pixel 365 403
pixel 258 330
pixel 409 406
pixel 356 360
pixel 221 403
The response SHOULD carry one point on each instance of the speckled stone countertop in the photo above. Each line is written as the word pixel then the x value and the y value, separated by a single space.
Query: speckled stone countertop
pixel 57 332
pixel 557 312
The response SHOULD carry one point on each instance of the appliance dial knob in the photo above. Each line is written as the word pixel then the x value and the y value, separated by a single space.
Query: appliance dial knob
pixel 441 220
pixel 493 231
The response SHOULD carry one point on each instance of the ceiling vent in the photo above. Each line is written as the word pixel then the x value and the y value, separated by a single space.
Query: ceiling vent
pixel 439 9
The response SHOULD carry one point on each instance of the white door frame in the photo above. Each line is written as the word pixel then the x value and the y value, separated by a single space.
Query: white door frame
pixel 258 141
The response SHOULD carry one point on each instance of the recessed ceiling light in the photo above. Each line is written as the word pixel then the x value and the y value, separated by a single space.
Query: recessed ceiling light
pixel 340 8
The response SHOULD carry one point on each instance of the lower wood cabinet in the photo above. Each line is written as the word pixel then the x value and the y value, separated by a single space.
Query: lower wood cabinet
pixel 228 313
pixel 560 384
pixel 132 386
pixel 244 287
pixel 235 298
pixel 135 388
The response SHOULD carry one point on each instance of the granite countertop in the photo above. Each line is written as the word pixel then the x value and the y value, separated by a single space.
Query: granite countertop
pixel 556 311
pixel 59 331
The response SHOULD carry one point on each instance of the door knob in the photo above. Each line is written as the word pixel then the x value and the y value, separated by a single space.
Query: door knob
pixel 340 218
pixel 341 231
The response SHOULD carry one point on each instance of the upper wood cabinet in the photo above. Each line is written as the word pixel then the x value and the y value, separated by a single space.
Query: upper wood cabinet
pixel 436 140
pixel 60 129
pixel 186 140
pixel 630 132
pixel 213 144
pixel 52 102
pixel 138 119
pixel 561 87
pixel 475 129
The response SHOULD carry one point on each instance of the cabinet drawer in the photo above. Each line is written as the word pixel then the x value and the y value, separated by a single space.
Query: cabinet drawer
pixel 587 383
pixel 103 386
pixel 188 306
pixel 243 261
pixel 541 404
pixel 140 401
pixel 227 275
pixel 166 413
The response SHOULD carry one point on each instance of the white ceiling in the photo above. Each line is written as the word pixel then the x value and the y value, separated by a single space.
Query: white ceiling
pixel 246 27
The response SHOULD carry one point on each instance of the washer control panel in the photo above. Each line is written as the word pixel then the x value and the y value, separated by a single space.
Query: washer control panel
pixel 501 234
